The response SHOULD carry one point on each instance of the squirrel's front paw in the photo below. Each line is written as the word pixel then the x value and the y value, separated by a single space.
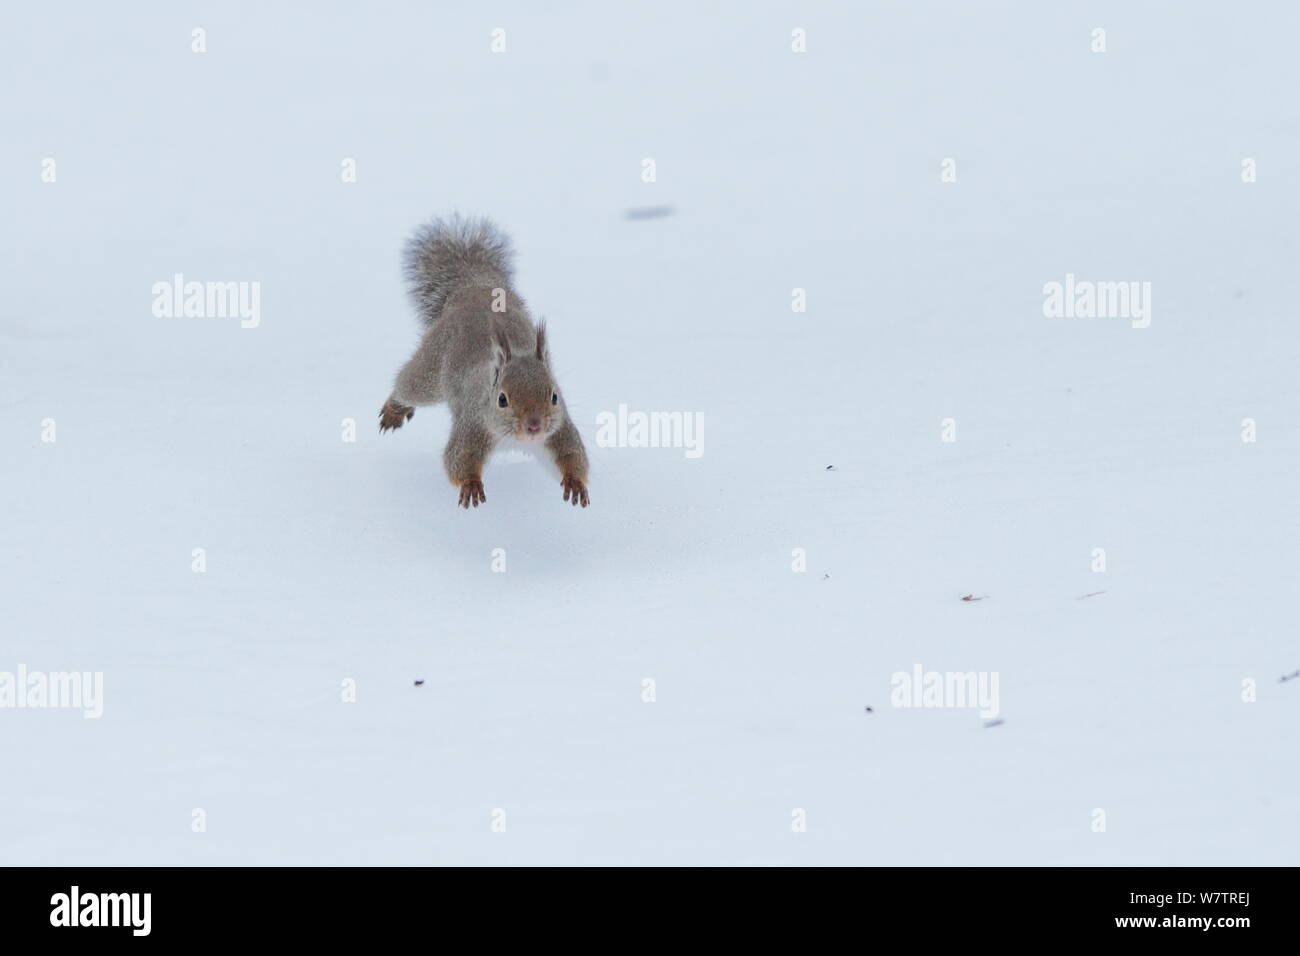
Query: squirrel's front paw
pixel 393 415
pixel 471 493
pixel 575 490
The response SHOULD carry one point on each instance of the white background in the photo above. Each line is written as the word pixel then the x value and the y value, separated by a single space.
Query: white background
pixel 329 560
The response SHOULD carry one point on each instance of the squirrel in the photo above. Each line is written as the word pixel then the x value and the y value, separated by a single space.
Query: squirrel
pixel 481 354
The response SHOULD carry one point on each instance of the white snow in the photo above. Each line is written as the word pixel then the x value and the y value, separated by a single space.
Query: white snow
pixel 329 561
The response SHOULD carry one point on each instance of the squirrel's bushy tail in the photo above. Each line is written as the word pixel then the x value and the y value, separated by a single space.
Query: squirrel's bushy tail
pixel 451 252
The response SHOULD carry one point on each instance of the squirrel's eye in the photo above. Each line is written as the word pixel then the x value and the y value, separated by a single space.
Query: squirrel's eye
pixel 555 399
pixel 501 400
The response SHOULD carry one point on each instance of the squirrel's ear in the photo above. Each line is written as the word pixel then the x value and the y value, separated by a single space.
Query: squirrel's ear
pixel 503 344
pixel 541 340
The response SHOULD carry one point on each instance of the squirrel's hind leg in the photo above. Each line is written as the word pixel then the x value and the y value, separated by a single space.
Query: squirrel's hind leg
pixel 417 384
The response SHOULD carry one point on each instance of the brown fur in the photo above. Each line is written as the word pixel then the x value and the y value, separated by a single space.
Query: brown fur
pixel 481 347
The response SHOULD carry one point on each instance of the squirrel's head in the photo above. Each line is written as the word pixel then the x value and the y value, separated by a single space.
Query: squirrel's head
pixel 526 404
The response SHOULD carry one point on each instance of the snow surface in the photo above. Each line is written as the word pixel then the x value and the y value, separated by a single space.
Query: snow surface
pixel 330 560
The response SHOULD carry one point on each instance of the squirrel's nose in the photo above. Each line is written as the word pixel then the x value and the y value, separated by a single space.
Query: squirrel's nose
pixel 534 425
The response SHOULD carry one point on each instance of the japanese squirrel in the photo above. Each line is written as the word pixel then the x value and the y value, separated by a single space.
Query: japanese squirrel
pixel 481 354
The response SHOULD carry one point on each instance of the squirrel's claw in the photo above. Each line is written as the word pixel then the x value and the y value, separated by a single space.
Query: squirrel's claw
pixel 472 494
pixel 575 490
pixel 393 415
